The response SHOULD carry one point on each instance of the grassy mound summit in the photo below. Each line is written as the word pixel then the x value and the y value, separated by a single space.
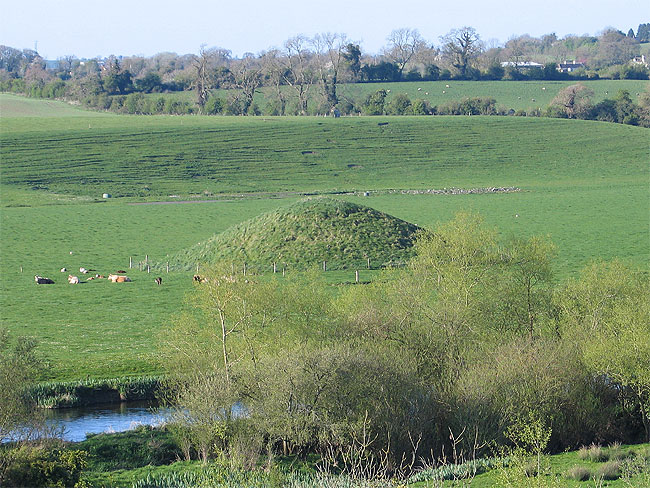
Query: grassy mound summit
pixel 305 234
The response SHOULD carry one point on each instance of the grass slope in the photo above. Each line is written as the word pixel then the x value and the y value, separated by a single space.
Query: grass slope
pixel 586 184
pixel 154 157
pixel 18 106
pixel 306 233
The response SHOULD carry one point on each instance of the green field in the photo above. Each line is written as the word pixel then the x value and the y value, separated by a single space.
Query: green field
pixel 518 95
pixel 584 183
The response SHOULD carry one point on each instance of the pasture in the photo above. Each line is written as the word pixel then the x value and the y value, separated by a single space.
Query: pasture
pixel 583 183
pixel 518 95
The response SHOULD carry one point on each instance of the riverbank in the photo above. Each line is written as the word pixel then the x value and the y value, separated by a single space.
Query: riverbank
pixel 85 393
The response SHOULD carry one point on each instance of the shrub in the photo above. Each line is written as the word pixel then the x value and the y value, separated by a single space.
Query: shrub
pixel 578 473
pixel 596 454
pixel 41 465
pixel 609 471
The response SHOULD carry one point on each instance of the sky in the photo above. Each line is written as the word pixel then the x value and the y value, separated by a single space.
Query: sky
pixel 91 28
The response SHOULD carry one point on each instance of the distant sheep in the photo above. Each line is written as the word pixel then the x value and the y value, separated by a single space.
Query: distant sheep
pixel 73 280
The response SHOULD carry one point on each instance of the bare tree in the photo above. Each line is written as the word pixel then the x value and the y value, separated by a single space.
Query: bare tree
pixel 299 74
pixel 206 75
pixel 403 45
pixel 247 78
pixel 461 47
pixel 329 50
pixel 275 71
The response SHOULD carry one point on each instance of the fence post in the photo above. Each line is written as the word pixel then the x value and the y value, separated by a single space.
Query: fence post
pixel 368 263
pixel 244 269
pixel 130 262
pixel 283 268
pixel 274 268
pixel 167 266
pixel 324 265
pixel 356 276
pixel 197 268
pixel 148 269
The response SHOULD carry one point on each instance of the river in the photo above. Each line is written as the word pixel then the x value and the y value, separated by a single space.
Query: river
pixel 77 422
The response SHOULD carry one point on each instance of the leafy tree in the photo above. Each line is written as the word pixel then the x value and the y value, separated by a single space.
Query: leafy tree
pixel 150 83
pixel 352 56
pixel 607 312
pixel 374 104
pixel 643 33
pixel 399 105
pixel 19 365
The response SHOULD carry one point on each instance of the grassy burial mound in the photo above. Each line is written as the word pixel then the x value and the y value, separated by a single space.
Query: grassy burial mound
pixel 305 234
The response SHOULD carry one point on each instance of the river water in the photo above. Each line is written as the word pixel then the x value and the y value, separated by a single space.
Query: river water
pixel 77 422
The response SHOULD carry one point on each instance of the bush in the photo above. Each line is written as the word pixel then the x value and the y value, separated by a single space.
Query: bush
pixel 578 473
pixel 41 465
pixel 609 471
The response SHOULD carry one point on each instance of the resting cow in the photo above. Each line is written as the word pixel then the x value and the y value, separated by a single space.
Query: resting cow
pixel 43 281
pixel 73 280
pixel 118 278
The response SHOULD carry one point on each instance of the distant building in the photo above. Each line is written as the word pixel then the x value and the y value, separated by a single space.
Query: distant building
pixel 523 65
pixel 51 64
pixel 569 66
pixel 642 60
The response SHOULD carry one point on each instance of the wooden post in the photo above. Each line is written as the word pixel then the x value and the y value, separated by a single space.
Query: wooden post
pixel 356 276
pixel 130 262
pixel 324 265
pixel 197 268
pixel 232 269
pixel 244 269
pixel 274 268
pixel 167 266
pixel 146 259
pixel 21 269
pixel 283 268
pixel 368 263
pixel 148 269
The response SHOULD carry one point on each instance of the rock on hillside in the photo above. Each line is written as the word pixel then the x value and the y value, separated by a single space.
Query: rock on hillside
pixel 304 235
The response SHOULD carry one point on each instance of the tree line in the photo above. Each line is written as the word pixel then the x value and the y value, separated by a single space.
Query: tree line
pixel 313 67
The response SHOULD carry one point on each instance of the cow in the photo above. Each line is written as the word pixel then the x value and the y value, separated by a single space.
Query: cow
pixel 118 278
pixel 73 280
pixel 63 270
pixel 83 270
pixel 158 281
pixel 43 281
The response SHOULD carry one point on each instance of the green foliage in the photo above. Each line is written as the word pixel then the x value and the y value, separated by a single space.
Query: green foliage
pixel 374 103
pixel 128 450
pixel 41 465
pixel 19 364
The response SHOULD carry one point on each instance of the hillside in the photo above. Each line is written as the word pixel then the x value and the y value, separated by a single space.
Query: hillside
pixel 307 233
pixel 155 157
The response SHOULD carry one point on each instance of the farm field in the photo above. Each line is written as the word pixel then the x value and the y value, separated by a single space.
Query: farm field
pixel 591 197
pixel 518 95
